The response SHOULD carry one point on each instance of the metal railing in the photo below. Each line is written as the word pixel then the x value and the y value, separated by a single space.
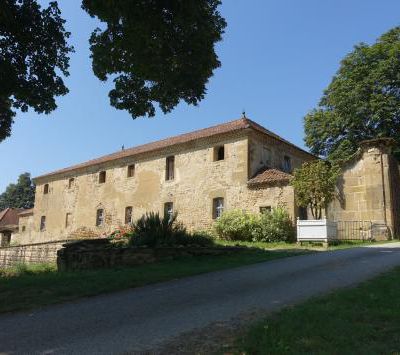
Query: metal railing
pixel 354 230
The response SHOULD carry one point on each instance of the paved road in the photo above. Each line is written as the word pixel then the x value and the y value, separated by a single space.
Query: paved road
pixel 141 318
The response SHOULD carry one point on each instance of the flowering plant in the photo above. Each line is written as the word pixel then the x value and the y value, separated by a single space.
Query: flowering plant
pixel 122 232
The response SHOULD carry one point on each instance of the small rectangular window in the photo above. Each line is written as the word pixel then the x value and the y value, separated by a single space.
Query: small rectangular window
pixel 23 229
pixel 42 223
pixel 265 209
pixel 128 215
pixel 219 153
pixel 266 156
pixel 68 220
pixel 218 207
pixel 99 217
pixel 131 170
pixel 170 168
pixel 71 182
pixel 46 189
pixel 287 164
pixel 102 177
pixel 168 209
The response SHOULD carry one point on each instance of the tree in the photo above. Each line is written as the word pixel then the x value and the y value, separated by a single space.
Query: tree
pixel 362 102
pixel 156 51
pixel 33 49
pixel 314 185
pixel 19 195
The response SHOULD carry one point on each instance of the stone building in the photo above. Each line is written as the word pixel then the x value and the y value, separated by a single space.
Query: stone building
pixel 369 191
pixel 235 165
pixel 8 225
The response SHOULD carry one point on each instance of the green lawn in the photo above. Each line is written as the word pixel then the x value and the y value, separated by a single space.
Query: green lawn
pixel 362 320
pixel 32 286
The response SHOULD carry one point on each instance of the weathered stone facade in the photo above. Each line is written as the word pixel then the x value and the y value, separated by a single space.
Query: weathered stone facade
pixel 368 189
pixel 68 200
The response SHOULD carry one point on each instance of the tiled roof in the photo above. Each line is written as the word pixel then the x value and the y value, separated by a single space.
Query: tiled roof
pixel 26 212
pixel 269 176
pixel 9 217
pixel 229 127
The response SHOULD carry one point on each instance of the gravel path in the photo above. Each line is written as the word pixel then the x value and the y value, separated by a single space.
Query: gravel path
pixel 159 316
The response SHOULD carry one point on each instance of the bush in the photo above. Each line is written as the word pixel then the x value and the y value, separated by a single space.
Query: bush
pixel 151 230
pixel 275 226
pixel 239 225
pixel 236 225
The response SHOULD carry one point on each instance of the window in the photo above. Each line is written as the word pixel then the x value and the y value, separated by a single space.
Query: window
pixel 71 182
pixel 23 229
pixel 131 171
pixel 170 167
pixel 68 220
pixel 169 209
pixel 102 177
pixel 100 217
pixel 42 223
pixel 128 215
pixel 287 164
pixel 46 189
pixel 266 156
pixel 219 153
pixel 265 209
pixel 218 207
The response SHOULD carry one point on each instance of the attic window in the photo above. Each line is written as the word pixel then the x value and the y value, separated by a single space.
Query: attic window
pixel 71 183
pixel 170 168
pixel 102 177
pixel 131 171
pixel 219 153
pixel 287 164
pixel 46 189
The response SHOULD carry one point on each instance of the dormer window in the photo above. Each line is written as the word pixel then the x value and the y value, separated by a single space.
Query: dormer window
pixel 219 153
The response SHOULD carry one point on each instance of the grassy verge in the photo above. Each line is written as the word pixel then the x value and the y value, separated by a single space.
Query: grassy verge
pixel 363 320
pixel 27 287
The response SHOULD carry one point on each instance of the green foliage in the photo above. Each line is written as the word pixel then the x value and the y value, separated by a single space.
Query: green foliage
pixel 33 51
pixel 362 102
pixel 238 225
pixel 19 195
pixel 314 185
pixel 155 51
pixel 275 226
pixel 152 230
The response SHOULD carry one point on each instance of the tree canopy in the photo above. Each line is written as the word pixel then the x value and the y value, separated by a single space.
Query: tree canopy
pixel 19 195
pixel 33 52
pixel 362 101
pixel 314 185
pixel 156 51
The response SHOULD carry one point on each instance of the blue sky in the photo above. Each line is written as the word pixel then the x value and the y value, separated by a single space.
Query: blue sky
pixel 277 57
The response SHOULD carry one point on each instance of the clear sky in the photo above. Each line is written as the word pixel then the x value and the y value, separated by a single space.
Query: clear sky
pixel 277 57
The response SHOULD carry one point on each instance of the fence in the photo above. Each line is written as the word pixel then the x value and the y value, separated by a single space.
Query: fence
pixel 355 230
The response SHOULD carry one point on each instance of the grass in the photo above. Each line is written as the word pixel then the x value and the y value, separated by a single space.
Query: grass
pixel 362 320
pixel 25 287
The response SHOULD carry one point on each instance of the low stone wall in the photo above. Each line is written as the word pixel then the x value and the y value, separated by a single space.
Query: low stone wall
pixel 96 254
pixel 30 253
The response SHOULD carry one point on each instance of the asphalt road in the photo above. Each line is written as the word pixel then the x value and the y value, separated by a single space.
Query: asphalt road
pixel 142 318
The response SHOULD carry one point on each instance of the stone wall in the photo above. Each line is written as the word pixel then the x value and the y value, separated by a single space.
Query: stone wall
pixel 30 254
pixel 367 188
pixel 95 254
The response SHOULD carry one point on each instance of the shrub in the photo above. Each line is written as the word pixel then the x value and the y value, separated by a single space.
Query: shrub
pixel 236 225
pixel 152 230
pixel 275 226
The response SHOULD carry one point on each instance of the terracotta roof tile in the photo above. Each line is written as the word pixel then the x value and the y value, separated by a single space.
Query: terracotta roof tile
pixel 269 176
pixel 9 217
pixel 232 126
